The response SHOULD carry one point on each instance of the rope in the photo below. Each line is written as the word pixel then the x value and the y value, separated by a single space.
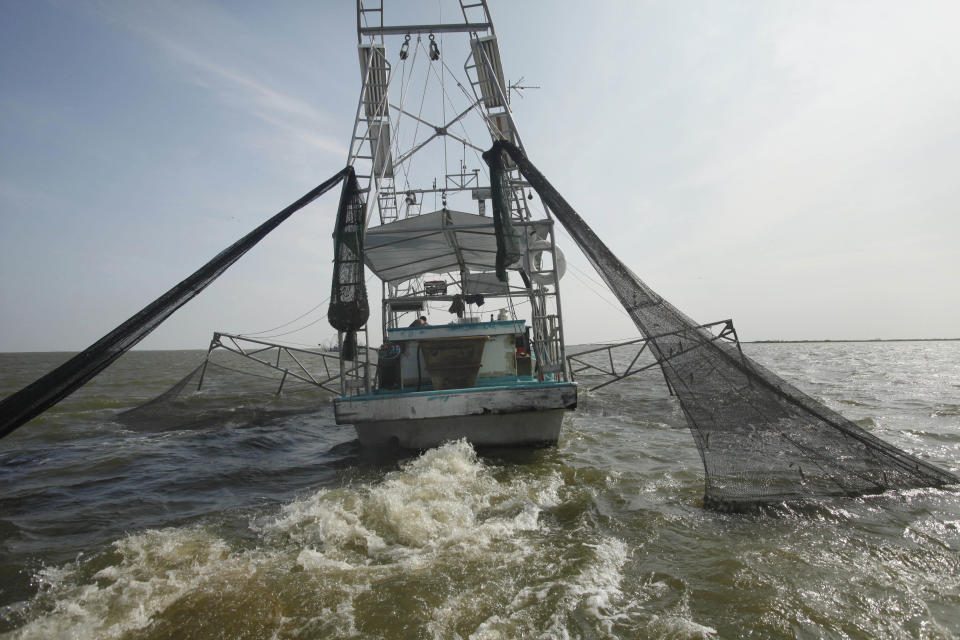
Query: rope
pixel 306 313
pixel 597 293
pixel 416 129
pixel 403 101
pixel 310 324
pixel 475 106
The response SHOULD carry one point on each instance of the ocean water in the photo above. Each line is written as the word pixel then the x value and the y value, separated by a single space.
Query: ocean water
pixel 245 516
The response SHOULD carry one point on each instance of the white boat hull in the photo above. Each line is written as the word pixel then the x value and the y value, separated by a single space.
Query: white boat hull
pixel 513 416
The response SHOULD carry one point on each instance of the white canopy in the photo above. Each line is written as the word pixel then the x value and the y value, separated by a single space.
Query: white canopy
pixel 435 242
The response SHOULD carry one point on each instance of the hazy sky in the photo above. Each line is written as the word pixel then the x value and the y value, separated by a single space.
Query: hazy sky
pixel 792 165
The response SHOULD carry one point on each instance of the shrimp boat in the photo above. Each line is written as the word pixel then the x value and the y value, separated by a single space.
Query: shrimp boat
pixel 471 317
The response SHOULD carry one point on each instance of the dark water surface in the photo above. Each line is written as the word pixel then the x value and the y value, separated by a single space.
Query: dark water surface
pixel 266 521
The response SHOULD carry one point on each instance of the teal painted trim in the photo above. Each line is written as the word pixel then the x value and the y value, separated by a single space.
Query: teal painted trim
pixel 504 381
pixel 465 325
pixel 482 383
pixel 444 392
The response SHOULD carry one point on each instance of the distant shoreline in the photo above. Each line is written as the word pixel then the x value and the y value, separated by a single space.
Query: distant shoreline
pixel 818 341
pixel 852 340
pixel 822 340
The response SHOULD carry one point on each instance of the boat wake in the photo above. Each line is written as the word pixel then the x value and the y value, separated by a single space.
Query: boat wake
pixel 447 545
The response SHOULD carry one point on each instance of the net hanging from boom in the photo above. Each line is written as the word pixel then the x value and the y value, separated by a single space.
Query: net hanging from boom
pixel 760 438
pixel 349 309
pixel 37 397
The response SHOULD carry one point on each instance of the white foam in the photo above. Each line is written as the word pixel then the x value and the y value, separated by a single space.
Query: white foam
pixel 593 592
pixel 678 624
pixel 446 497
pixel 599 582
pixel 156 568
pixel 678 627
pixel 441 510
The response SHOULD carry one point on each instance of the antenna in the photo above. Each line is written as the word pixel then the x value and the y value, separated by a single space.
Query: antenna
pixel 518 86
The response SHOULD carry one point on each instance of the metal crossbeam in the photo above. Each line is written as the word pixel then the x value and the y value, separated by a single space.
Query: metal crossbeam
pixel 441 130
pixel 402 30
pixel 438 131
pixel 727 333
pixel 241 346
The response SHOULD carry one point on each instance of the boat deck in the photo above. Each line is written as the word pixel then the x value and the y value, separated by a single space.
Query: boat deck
pixel 483 384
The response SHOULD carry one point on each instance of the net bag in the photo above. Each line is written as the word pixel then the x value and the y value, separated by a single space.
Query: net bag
pixel 760 438
pixel 349 309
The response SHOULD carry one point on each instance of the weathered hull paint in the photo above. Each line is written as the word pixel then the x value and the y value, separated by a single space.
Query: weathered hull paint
pixel 536 429
pixel 527 416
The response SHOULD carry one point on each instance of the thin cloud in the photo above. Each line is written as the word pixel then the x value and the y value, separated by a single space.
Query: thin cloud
pixel 300 121
pixel 292 115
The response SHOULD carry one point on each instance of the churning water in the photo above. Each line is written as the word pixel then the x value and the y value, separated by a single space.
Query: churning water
pixel 263 522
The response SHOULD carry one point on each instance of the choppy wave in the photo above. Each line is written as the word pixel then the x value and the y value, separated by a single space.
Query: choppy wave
pixel 286 528
pixel 442 546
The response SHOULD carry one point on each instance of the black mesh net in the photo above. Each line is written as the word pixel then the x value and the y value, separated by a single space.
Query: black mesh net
pixel 508 248
pixel 760 438
pixel 349 309
pixel 228 390
pixel 34 399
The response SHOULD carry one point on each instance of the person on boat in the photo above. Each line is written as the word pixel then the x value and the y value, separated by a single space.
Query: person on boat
pixel 419 322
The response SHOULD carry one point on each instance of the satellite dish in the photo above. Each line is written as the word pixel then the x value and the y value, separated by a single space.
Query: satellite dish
pixel 561 267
